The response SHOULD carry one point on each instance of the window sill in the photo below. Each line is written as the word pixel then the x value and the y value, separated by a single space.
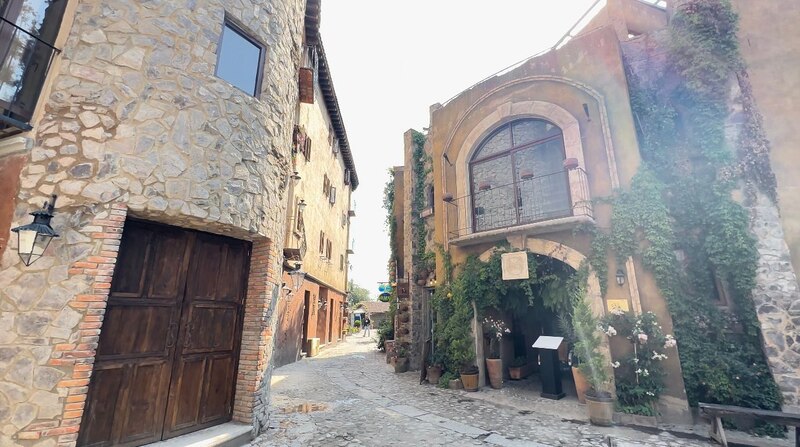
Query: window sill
pixel 547 226
pixel 15 144
pixel 427 212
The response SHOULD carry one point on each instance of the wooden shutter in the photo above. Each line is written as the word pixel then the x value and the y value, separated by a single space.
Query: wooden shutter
pixel 306 85
pixel 346 176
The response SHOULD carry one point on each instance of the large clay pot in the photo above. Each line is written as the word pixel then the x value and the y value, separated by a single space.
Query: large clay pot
pixel 470 381
pixel 434 373
pixel 494 369
pixel 401 365
pixel 581 384
pixel 601 408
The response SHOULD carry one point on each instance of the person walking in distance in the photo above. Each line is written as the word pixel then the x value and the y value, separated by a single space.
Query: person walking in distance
pixel 367 323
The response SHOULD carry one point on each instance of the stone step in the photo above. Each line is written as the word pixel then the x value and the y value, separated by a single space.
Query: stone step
pixel 230 434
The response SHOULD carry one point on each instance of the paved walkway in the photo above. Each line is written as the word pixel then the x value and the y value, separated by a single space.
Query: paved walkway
pixel 348 395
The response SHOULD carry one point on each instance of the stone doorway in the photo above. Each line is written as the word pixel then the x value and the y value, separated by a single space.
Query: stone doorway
pixel 168 350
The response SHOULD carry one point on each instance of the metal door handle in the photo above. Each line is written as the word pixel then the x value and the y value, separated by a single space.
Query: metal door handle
pixel 172 333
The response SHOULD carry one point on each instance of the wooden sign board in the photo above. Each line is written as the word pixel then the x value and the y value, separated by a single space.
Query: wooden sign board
pixel 618 304
pixel 514 265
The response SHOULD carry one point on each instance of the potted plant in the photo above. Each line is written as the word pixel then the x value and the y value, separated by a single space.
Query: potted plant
pixel 401 360
pixel 469 377
pixel 494 364
pixel 592 363
pixel 435 369
pixel 520 368
pixel 581 384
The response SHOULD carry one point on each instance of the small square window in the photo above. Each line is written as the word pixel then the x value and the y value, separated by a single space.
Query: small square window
pixel 240 59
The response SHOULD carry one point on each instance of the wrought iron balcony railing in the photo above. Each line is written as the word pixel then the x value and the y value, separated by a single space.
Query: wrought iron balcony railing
pixel 24 62
pixel 530 200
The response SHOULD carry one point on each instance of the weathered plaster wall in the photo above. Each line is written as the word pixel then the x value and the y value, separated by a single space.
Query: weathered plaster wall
pixel 770 44
pixel 320 214
pixel 136 116
pixel 588 71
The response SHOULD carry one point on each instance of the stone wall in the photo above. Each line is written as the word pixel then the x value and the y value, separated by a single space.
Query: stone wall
pixel 777 300
pixel 136 119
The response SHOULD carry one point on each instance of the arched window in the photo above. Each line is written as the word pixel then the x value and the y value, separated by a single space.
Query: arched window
pixel 517 176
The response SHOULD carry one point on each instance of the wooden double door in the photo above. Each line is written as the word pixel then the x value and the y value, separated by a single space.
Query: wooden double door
pixel 168 348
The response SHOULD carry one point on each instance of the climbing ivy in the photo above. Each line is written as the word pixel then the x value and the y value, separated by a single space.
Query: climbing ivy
pixel 421 168
pixel 391 224
pixel 679 214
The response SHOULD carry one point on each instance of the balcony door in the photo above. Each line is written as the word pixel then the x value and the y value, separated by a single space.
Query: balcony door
pixel 517 176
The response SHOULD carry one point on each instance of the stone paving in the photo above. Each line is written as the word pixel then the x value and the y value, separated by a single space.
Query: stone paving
pixel 348 395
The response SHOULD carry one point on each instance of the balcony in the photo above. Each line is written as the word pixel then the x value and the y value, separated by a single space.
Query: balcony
pixel 544 203
pixel 24 62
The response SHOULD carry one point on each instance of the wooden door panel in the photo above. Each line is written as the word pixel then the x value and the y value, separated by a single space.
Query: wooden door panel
pixel 129 279
pixel 186 393
pixel 148 332
pixel 144 403
pixel 98 419
pixel 212 328
pixel 166 279
pixel 218 391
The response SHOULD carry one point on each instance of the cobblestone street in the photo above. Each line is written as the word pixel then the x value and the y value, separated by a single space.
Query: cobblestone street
pixel 348 395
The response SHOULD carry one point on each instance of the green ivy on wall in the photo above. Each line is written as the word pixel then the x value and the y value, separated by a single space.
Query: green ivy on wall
pixel 679 214
pixel 421 168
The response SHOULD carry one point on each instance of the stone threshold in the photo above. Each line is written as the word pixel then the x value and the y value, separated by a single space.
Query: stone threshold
pixel 230 434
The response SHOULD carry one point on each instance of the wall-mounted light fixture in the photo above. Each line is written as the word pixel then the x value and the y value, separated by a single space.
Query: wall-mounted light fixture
pixel 298 277
pixel 302 205
pixel 295 176
pixel 34 237
pixel 620 277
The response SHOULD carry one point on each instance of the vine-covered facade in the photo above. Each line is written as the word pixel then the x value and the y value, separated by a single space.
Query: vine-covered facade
pixel 634 153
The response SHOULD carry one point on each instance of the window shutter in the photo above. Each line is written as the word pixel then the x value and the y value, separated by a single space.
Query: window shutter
pixel 332 196
pixel 307 149
pixel 306 85
pixel 346 176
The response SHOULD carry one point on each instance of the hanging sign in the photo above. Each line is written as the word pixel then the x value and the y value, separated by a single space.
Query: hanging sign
pixel 385 297
pixel 515 265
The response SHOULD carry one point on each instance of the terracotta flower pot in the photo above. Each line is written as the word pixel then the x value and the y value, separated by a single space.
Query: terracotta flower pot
pixel 494 368
pixel 470 381
pixel 570 163
pixel 601 408
pixel 581 384
pixel 401 365
pixel 520 372
pixel 434 373
pixel 484 186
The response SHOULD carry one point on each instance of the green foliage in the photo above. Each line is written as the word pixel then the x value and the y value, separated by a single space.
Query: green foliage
pixel 357 324
pixel 684 187
pixel 421 169
pixel 639 374
pixel 357 294
pixel 591 362
pixel 447 376
pixel 391 224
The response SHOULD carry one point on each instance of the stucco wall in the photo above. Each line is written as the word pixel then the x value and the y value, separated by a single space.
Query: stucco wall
pixel 136 116
pixel 585 79
pixel 320 214
pixel 770 44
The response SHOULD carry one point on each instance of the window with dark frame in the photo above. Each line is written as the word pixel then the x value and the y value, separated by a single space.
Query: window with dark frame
pixel 307 149
pixel 321 242
pixel 341 263
pixel 240 59
pixel 28 31
pixel 517 176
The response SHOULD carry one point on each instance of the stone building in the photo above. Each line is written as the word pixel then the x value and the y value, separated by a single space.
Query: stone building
pixel 318 228
pixel 166 131
pixel 527 159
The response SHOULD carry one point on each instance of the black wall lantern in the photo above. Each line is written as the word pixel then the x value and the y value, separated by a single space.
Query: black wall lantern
pixel 33 239
pixel 620 277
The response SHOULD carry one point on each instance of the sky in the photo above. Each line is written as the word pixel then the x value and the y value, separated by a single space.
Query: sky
pixel 391 60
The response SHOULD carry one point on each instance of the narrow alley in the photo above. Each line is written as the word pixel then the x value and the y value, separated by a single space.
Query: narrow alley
pixel 348 395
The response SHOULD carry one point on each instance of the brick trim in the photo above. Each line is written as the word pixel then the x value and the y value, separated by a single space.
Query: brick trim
pixel 78 356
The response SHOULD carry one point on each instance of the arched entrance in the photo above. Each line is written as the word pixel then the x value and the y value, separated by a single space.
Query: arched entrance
pixel 559 261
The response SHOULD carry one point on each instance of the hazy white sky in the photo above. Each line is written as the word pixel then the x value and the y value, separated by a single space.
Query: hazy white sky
pixel 390 60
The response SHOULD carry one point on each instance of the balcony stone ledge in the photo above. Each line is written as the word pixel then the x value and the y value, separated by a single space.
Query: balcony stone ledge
pixel 531 229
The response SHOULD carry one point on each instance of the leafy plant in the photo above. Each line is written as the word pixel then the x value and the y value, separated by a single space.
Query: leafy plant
pixel 519 362
pixel 592 363
pixel 444 380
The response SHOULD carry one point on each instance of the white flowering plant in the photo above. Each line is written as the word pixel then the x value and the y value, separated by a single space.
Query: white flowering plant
pixel 495 329
pixel 640 374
